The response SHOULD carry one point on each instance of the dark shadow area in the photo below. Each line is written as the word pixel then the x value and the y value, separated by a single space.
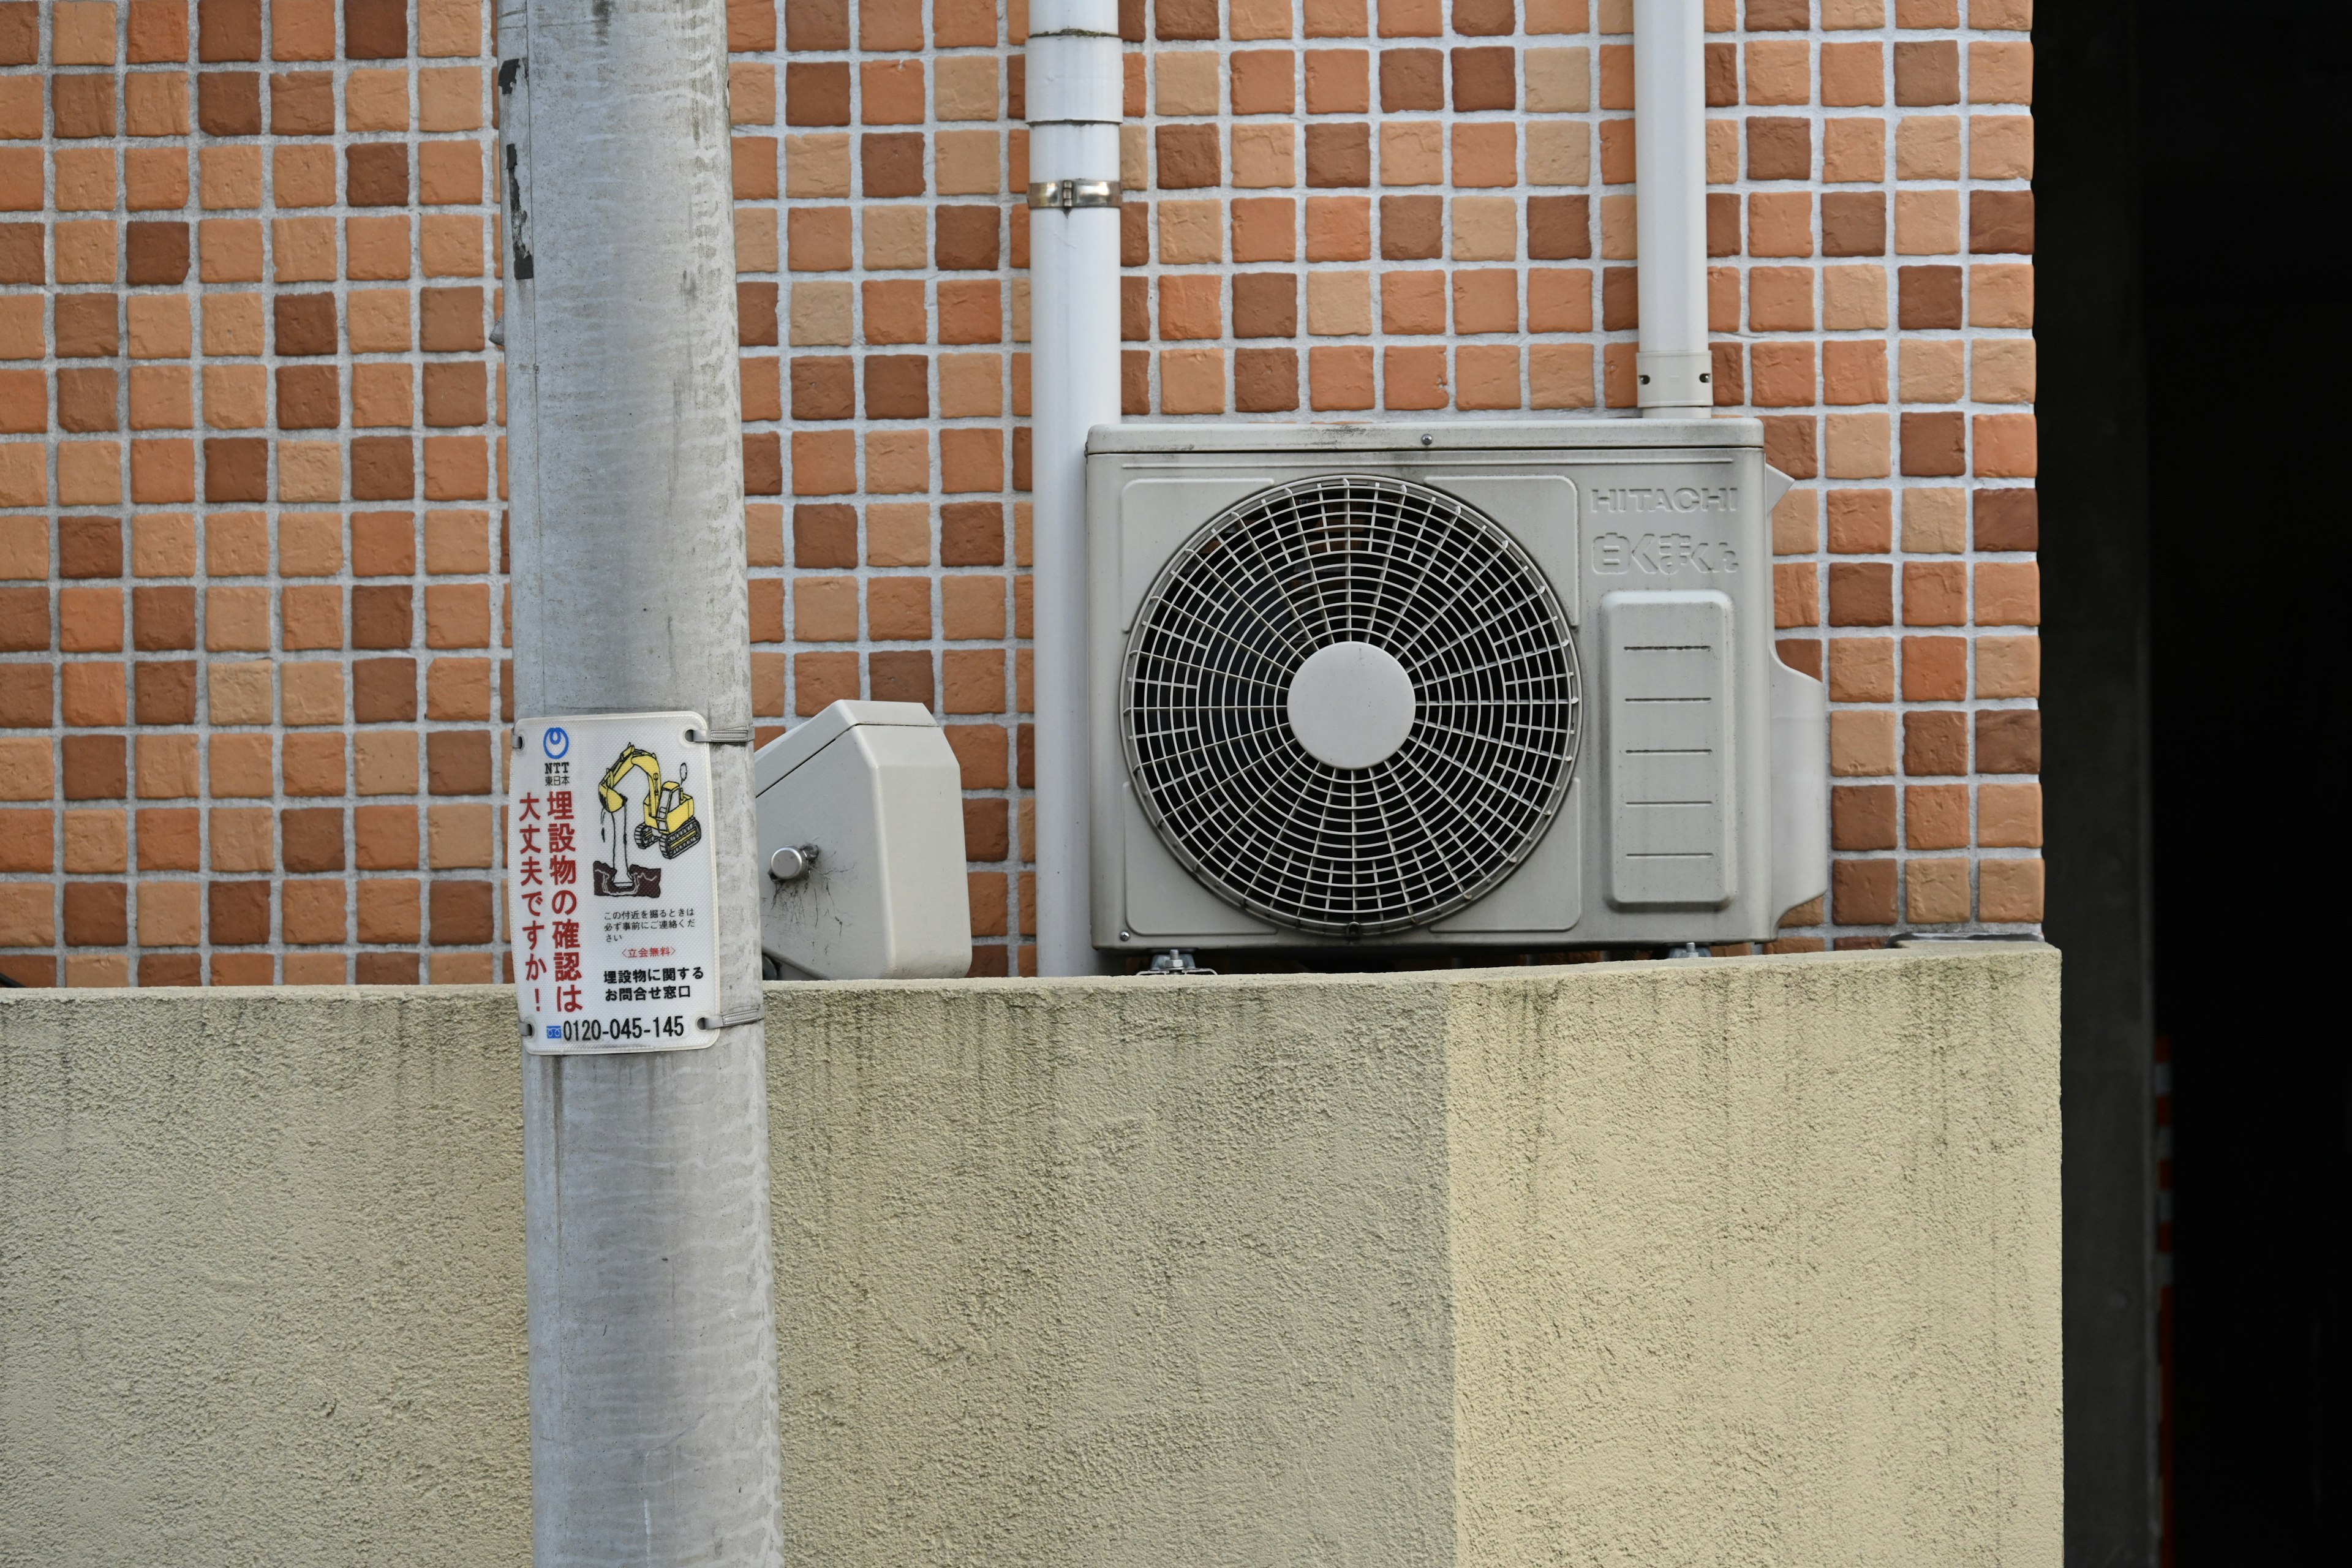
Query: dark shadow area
pixel 2191 162
pixel 2246 328
pixel 2096 704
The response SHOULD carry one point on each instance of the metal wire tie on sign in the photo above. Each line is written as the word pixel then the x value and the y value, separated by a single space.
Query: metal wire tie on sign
pixel 750 1015
pixel 1066 194
pixel 693 738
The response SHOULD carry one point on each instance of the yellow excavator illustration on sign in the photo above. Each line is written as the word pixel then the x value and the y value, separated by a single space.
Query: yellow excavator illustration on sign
pixel 669 824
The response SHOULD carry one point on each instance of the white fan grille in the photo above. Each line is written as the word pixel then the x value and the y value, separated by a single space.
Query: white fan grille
pixel 1350 851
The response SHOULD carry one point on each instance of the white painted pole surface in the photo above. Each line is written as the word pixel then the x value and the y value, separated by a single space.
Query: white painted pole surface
pixel 1074 105
pixel 653 1342
pixel 1676 379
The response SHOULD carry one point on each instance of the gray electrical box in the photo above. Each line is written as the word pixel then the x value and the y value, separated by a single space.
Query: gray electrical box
pixel 860 815
pixel 1457 684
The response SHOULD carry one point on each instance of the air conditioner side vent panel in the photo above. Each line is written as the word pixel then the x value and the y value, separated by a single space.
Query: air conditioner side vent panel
pixel 1667 657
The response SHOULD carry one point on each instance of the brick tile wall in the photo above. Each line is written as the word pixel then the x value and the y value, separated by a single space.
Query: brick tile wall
pixel 250 537
pixel 251 613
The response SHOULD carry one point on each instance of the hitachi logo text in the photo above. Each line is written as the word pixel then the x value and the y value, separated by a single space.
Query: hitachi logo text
pixel 1628 500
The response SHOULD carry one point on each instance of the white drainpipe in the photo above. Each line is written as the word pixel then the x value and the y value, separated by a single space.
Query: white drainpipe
pixel 1075 91
pixel 1670 180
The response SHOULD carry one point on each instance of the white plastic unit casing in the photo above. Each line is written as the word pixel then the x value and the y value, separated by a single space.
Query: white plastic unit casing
pixel 874 788
pixel 1697 807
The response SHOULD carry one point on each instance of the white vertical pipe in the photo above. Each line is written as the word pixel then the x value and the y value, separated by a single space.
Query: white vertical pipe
pixel 653 1438
pixel 1074 92
pixel 1676 379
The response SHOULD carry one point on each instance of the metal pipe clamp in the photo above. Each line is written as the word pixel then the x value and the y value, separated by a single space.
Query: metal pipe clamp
pixel 1067 194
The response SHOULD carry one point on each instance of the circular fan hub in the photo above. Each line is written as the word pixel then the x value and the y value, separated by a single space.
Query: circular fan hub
pixel 1352 704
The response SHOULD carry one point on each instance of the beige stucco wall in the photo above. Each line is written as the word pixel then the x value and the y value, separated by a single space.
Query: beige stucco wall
pixel 1751 1260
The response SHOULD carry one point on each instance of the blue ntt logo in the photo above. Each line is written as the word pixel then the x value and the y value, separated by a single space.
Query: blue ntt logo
pixel 554 1031
pixel 556 742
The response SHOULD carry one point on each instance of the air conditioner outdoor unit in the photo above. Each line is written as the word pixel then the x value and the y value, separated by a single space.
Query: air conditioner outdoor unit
pixel 1457 684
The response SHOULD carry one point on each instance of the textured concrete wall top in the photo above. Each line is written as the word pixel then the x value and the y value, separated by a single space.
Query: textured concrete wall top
pixel 1753 1260
pixel 261 1296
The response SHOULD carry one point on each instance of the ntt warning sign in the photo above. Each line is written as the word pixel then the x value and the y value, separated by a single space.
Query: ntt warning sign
pixel 614 885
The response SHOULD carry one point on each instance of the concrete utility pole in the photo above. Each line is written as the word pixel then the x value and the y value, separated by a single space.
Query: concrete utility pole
pixel 653 1342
